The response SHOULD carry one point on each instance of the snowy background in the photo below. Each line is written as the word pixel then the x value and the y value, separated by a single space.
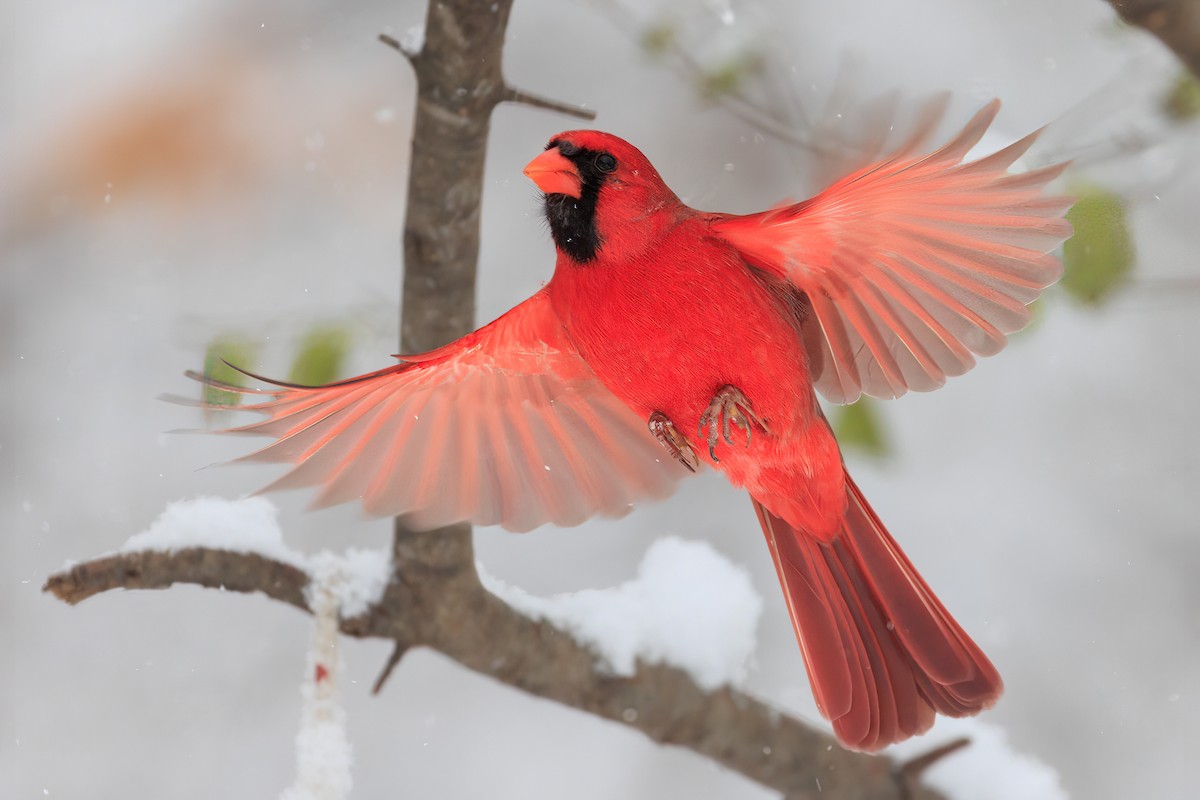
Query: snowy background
pixel 176 171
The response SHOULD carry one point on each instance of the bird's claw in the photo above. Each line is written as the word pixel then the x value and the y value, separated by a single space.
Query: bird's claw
pixel 728 407
pixel 680 449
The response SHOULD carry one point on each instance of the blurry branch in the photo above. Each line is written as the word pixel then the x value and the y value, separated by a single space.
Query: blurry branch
pixel 722 85
pixel 756 84
pixel 537 101
pixel 1175 22
pixel 434 598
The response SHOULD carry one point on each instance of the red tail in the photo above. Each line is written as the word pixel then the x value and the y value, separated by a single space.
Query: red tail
pixel 882 652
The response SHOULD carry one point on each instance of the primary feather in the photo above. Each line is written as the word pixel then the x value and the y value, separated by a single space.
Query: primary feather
pixel 506 426
pixel 915 264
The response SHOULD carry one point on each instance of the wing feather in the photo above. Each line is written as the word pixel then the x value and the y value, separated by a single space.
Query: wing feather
pixel 506 426
pixel 914 264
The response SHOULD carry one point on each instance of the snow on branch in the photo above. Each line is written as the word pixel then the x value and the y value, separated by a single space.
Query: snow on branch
pixel 689 607
pixel 250 526
pixel 990 768
pixel 451 611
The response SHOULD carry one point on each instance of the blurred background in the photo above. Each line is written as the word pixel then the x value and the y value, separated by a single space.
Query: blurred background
pixel 192 178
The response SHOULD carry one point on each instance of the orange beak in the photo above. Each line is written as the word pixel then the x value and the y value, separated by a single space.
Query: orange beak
pixel 554 174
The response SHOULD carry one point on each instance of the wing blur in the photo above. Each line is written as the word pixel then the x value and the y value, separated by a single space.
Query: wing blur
pixel 913 265
pixel 506 426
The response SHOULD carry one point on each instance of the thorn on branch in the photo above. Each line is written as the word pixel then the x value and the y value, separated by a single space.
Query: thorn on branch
pixel 394 43
pixel 910 771
pixel 512 95
pixel 397 653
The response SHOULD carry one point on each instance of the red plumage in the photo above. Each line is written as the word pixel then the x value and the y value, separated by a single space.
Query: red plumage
pixel 892 279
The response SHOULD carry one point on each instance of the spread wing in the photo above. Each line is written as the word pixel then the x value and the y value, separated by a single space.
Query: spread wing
pixel 913 265
pixel 506 426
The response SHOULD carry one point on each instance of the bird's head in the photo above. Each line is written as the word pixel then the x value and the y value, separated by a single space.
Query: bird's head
pixel 602 195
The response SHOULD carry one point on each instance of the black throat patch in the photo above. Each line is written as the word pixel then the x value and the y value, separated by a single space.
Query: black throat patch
pixel 573 220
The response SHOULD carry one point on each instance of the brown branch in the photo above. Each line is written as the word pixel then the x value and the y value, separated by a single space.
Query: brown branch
pixel 536 101
pixel 394 43
pixel 911 771
pixel 1175 22
pixel 397 653
pixel 440 604
pixel 434 597
pixel 216 569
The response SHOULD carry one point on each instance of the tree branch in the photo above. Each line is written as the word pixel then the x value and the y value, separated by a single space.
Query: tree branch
pixel 444 607
pixel 1175 22
pixel 216 569
pixel 394 43
pixel 434 597
pixel 536 101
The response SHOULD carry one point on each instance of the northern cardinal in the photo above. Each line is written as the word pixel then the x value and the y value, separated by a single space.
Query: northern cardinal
pixel 670 338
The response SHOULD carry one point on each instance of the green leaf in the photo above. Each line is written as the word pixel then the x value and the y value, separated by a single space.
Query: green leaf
pixel 321 356
pixel 858 427
pixel 727 78
pixel 232 348
pixel 658 38
pixel 1100 256
pixel 1182 102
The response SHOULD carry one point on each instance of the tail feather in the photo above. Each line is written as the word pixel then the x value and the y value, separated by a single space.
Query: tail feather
pixel 882 652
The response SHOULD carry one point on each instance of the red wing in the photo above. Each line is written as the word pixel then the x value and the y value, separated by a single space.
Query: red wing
pixel 507 426
pixel 913 265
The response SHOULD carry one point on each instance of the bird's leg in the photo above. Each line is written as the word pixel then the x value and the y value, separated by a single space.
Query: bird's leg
pixel 728 407
pixel 670 438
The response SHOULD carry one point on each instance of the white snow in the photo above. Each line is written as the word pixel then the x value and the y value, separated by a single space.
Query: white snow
pixel 988 769
pixel 251 525
pixel 688 607
pixel 324 756
pixel 340 585
pixel 413 38
pixel 248 525
pixel 362 577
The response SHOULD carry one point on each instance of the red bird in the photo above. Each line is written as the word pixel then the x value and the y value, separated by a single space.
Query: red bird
pixel 670 336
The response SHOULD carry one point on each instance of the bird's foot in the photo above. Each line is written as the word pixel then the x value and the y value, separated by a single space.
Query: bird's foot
pixel 680 449
pixel 729 407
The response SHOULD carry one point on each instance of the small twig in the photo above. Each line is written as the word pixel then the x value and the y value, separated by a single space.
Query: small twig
pixel 908 773
pixel 736 103
pixel 394 43
pixel 397 653
pixel 1170 285
pixel 512 95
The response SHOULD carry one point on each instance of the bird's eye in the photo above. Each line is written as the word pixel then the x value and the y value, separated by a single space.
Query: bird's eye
pixel 567 149
pixel 605 162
